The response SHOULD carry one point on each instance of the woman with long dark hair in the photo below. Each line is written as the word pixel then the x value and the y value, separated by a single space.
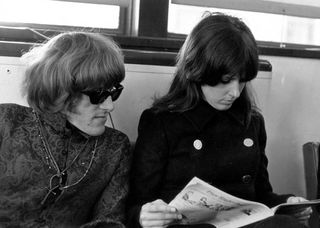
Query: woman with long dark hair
pixel 208 126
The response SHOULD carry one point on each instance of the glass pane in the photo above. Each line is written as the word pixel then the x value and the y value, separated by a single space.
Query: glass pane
pixel 60 13
pixel 264 26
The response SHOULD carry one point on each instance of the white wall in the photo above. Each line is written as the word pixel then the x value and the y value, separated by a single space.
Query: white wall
pixel 288 98
pixel 11 71
pixel 292 114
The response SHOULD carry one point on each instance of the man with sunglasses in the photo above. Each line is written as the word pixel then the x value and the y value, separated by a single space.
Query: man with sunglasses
pixel 60 166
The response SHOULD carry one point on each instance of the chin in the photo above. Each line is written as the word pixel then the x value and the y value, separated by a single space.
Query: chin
pixel 225 107
pixel 97 132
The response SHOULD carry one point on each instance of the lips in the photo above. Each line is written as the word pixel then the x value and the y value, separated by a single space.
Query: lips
pixel 101 117
pixel 227 102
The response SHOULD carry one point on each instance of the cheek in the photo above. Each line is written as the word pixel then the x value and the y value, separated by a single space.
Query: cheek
pixel 85 115
pixel 221 92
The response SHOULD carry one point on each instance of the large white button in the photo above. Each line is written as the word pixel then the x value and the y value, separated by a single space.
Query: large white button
pixel 248 142
pixel 197 144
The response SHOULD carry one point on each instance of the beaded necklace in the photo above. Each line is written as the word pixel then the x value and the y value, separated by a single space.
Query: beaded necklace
pixel 49 157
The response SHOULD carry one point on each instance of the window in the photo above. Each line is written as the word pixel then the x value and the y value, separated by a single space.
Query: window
pixel 268 27
pixel 61 14
pixel 284 28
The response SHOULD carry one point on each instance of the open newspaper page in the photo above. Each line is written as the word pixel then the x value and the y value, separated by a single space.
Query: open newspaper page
pixel 288 208
pixel 200 202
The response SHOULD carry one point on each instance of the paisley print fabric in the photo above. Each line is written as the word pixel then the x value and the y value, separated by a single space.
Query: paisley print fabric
pixel 98 200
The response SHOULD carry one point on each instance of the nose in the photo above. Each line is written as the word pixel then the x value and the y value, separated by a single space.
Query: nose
pixel 235 89
pixel 107 104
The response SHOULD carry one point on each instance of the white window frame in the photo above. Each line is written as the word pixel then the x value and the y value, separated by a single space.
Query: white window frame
pixel 124 19
pixel 301 8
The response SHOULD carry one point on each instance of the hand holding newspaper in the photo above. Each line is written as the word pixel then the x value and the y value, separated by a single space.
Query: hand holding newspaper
pixel 200 202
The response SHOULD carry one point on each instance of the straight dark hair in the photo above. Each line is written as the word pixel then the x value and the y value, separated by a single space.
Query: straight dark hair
pixel 218 45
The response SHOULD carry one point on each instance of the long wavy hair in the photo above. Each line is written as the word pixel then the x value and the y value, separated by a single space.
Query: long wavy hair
pixel 67 64
pixel 218 45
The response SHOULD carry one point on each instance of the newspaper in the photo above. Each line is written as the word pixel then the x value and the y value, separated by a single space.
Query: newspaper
pixel 200 202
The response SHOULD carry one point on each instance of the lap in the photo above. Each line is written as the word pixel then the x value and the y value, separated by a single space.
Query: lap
pixel 193 226
pixel 277 221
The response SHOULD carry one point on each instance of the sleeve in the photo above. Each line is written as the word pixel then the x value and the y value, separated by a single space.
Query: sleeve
pixel 263 187
pixel 3 120
pixel 149 161
pixel 110 209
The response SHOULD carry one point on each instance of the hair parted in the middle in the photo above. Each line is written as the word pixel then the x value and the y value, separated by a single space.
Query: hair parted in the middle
pixel 218 45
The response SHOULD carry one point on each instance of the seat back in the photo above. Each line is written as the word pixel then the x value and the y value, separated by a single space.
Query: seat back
pixel 312 174
pixel 311 163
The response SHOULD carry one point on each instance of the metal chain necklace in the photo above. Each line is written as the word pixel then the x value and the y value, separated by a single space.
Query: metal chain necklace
pixel 49 157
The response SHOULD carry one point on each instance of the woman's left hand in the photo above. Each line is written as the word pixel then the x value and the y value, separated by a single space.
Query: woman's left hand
pixel 301 214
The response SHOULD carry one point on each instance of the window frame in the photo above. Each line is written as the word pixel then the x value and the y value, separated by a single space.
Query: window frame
pixel 48 29
pixel 265 6
pixel 149 37
pixel 136 50
pixel 265 47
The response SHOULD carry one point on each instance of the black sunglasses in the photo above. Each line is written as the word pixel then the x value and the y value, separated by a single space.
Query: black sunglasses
pixel 99 96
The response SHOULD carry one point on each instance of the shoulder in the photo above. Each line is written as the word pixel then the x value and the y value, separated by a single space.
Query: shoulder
pixel 14 112
pixel 257 120
pixel 156 127
pixel 12 108
pixel 256 116
pixel 115 135
pixel 153 115
pixel 115 139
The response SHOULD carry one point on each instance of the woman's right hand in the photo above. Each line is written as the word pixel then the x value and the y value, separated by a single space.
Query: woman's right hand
pixel 158 214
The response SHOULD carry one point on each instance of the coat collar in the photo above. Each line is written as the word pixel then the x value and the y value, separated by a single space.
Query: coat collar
pixel 60 124
pixel 57 121
pixel 204 112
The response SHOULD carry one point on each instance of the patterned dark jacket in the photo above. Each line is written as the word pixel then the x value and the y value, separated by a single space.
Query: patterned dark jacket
pixel 220 147
pixel 95 199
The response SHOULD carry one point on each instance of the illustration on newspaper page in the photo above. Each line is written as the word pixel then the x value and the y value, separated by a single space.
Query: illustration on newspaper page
pixel 199 202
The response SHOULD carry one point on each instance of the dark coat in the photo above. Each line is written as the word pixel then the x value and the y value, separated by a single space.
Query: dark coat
pixel 220 147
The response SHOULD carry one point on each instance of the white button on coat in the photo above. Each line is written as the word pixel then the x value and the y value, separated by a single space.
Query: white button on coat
pixel 248 142
pixel 197 144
